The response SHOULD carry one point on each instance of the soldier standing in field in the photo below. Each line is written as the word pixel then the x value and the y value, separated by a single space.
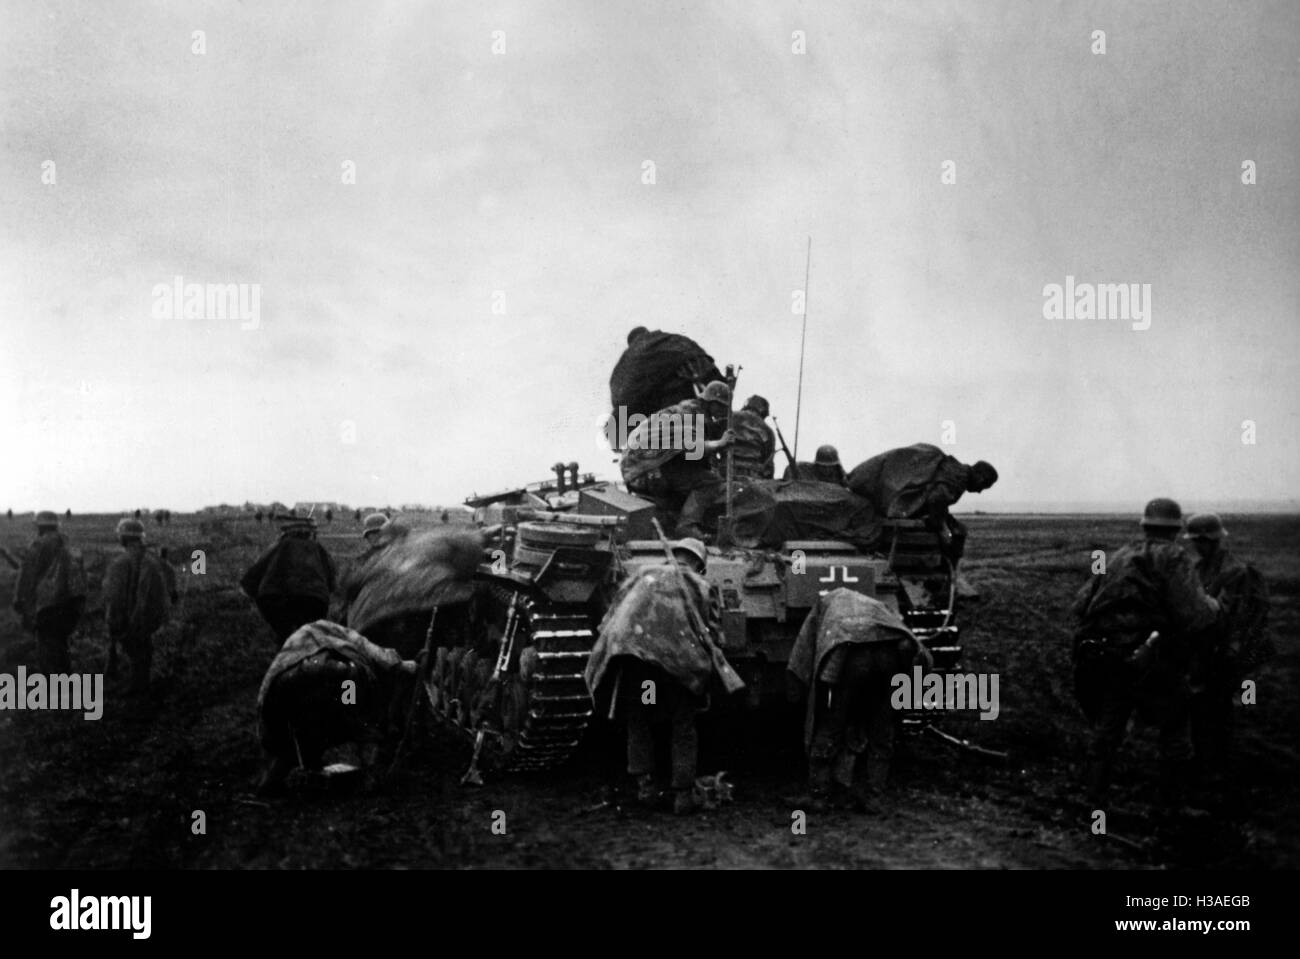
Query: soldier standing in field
pixel 754 453
pixel 50 595
pixel 1138 624
pixel 1231 649
pixel 649 668
pixel 137 600
pixel 292 581
pixel 848 650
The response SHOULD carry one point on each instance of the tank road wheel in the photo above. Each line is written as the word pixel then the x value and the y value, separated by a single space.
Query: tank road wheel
pixel 534 714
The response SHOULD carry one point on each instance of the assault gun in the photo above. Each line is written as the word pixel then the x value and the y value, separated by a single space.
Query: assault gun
pixel 730 679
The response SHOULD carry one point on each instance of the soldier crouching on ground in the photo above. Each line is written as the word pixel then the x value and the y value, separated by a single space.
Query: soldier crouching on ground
pixel 50 595
pixel 1237 643
pixel 650 667
pixel 292 581
pixel 1138 624
pixel 137 597
pixel 848 651
pixel 329 686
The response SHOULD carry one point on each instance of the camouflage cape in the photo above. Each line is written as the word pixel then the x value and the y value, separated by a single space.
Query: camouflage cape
pixel 841 616
pixel 137 593
pixel 657 370
pixel 662 437
pixel 415 573
pixel 52 575
pixel 1242 593
pixel 292 567
pixel 1149 584
pixel 317 637
pixel 647 621
pixel 910 482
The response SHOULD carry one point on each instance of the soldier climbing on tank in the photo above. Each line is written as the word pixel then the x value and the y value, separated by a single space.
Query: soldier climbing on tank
pixel 378 532
pixel 328 686
pixel 292 581
pixel 650 668
pixel 50 595
pixel 846 654
pixel 1229 651
pixel 1137 625
pixel 137 600
pixel 922 482
pixel 825 467
pixel 754 453
pixel 670 456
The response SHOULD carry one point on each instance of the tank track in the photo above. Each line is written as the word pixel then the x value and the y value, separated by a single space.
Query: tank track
pixel 530 724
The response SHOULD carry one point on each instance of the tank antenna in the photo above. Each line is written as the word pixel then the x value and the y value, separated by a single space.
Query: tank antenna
pixel 798 403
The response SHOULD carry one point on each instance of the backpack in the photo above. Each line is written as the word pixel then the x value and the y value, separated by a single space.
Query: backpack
pixel 63 581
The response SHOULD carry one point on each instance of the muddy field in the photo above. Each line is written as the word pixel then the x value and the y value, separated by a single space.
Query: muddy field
pixel 122 792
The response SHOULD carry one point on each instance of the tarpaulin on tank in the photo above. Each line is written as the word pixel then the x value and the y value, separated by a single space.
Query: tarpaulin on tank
pixel 415 573
pixel 771 512
pixel 659 369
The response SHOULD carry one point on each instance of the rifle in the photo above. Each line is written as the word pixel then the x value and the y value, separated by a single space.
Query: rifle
pixel 724 528
pixel 794 467
pixel 730 679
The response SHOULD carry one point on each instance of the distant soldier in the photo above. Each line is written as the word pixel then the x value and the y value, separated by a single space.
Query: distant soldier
pixel 1237 644
pixel 137 601
pixel 258 516
pixel 825 467
pixel 357 515
pixel 753 456
pixel 329 515
pixel 660 462
pixel 50 595
pixel 10 514
pixel 170 572
pixel 446 517
pixel 649 667
pixel 158 517
pixel 67 514
pixel 137 514
pixel 292 581
pixel 1149 588
pixel 328 686
pixel 848 650
pixel 922 482
pixel 378 532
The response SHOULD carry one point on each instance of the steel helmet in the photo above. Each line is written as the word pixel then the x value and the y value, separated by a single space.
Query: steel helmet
pixel 1206 526
pixel 128 528
pixel 694 547
pixel 827 456
pixel 373 523
pixel 715 392
pixel 47 518
pixel 1162 511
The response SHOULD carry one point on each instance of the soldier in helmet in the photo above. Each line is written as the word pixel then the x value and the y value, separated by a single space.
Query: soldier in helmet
pixel 1137 625
pixel 648 669
pixel 137 597
pixel 755 448
pixel 50 595
pixel 825 467
pixel 670 456
pixel 848 651
pixel 1231 649
pixel 292 581
pixel 922 482
pixel 378 531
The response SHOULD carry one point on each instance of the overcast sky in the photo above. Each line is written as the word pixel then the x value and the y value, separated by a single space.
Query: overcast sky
pixel 380 372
